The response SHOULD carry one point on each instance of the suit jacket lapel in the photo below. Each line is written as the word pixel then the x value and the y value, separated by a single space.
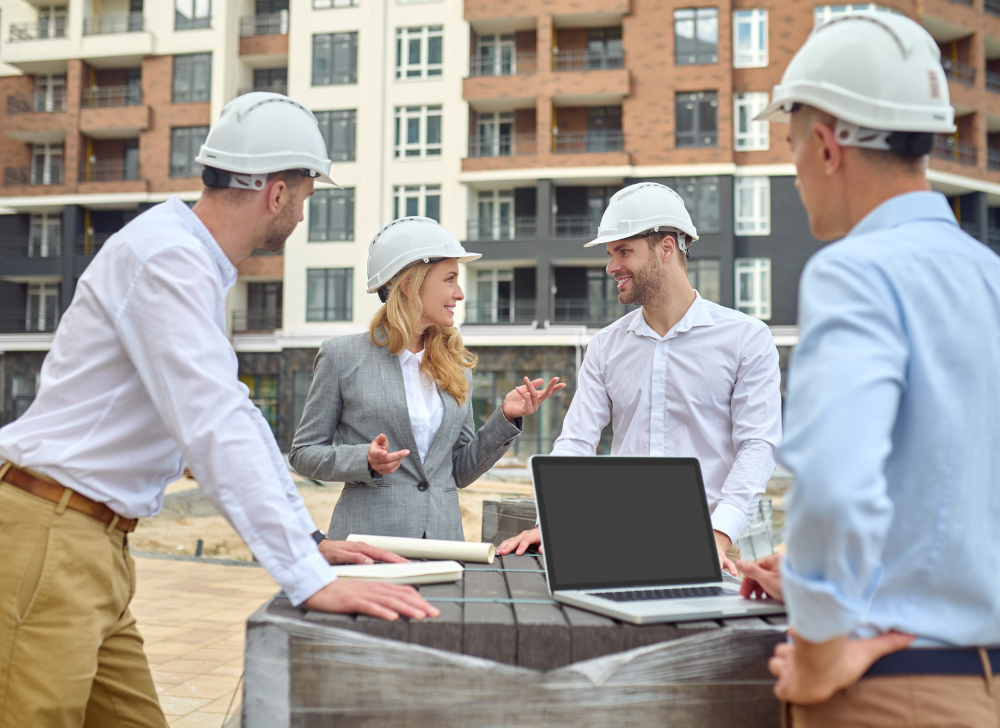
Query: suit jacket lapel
pixel 395 395
pixel 447 434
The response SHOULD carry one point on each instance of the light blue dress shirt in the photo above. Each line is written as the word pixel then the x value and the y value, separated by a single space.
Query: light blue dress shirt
pixel 892 430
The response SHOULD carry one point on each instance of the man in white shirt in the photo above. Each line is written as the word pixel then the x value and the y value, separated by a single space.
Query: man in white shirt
pixel 682 376
pixel 140 380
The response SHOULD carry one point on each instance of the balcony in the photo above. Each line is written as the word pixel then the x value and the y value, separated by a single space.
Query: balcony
pixel 505 311
pixel 269 24
pixel 503 145
pixel 89 244
pixel 503 65
pixel 518 228
pixel 575 142
pixel 39 30
pixel 109 170
pixel 993 239
pixel 30 247
pixel 577 226
pixel 21 322
pixel 945 147
pixel 37 102
pixel 992 158
pixel 588 311
pixel 256 320
pixel 33 175
pixel 110 24
pixel 102 97
pixel 587 60
pixel 273 89
pixel 959 71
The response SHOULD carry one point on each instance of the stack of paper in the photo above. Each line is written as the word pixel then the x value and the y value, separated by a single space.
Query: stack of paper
pixel 424 572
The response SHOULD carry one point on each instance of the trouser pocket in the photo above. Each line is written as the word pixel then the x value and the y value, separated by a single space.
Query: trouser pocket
pixel 31 578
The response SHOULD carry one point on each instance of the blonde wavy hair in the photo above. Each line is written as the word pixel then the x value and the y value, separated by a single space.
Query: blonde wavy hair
pixel 398 321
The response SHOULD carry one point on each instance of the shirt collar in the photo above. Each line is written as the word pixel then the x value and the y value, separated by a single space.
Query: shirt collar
pixel 226 268
pixel 696 315
pixel 406 355
pixel 905 208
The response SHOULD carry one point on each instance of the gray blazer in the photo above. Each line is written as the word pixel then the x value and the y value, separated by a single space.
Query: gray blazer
pixel 357 392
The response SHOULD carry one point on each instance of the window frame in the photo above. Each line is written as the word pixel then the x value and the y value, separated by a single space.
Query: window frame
pixel 335 4
pixel 750 135
pixel 193 96
pixel 700 57
pixel 423 69
pixel 195 22
pixel 694 266
pixel 708 139
pixel 401 194
pixel 347 281
pixel 334 77
pixel 756 56
pixel 327 119
pixel 193 145
pixel 759 303
pixel 758 221
pixel 328 195
pixel 825 13
pixel 423 147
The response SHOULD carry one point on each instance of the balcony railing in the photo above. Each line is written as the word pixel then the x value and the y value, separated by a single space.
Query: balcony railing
pixel 518 228
pixel 39 30
pixel 37 102
pixel 502 65
pixel 24 322
pixel 108 24
pixel 587 60
pixel 947 148
pixel 959 71
pixel 269 24
pixel 90 243
pixel 503 145
pixel 110 170
pixel 591 311
pixel 256 320
pixel 992 158
pixel 33 175
pixel 100 97
pixel 517 311
pixel 30 247
pixel 273 89
pixel 576 226
pixel 992 80
pixel 575 142
pixel 992 6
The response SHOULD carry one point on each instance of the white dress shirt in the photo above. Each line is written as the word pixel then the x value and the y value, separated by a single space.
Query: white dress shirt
pixel 142 379
pixel 707 389
pixel 423 400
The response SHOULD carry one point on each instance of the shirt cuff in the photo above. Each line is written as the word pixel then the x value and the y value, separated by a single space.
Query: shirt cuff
pixel 307 577
pixel 730 520
pixel 816 608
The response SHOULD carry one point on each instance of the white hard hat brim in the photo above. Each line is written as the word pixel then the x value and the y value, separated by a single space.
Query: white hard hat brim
pixel 403 266
pixel 623 234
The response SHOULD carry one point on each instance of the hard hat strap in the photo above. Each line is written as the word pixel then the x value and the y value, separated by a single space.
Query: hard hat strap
pixel 247 181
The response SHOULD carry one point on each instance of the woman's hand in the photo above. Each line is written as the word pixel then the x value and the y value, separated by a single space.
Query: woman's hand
pixel 381 460
pixel 524 400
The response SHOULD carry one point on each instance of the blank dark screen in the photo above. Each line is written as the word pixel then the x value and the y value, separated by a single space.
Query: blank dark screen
pixel 610 522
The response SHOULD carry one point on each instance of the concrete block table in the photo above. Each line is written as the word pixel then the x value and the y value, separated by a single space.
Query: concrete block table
pixel 503 654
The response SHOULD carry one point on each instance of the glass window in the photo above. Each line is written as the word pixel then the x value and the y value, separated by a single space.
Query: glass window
pixel 192 14
pixel 749 38
pixel 703 274
pixel 329 294
pixel 327 4
pixel 412 200
pixel 52 21
pixel 495 55
pixel 338 128
pixel 418 132
pixel 696 36
pixel 47 164
pixel 701 198
pixel 823 13
pixel 750 135
pixel 45 236
pixel 25 387
pixel 192 77
pixel 331 215
pixel 494 219
pixel 264 394
pixel 271 79
pixel 753 205
pixel 697 119
pixel 753 286
pixel 495 134
pixel 185 142
pixel 419 52
pixel 42 311
pixel 335 59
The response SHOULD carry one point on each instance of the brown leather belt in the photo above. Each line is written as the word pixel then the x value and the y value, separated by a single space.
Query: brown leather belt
pixel 52 491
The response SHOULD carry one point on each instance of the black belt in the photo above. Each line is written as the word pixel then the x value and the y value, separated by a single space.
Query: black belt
pixel 936 661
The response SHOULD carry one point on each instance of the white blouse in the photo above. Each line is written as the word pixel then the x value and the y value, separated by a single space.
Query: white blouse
pixel 422 400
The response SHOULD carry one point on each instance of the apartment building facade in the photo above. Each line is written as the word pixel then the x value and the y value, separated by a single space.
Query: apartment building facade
pixel 511 123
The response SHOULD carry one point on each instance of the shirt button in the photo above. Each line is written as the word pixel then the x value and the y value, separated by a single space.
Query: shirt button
pixel 422 486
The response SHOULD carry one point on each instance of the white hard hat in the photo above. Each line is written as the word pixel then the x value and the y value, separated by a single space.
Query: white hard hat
pixel 643 207
pixel 407 240
pixel 259 133
pixel 877 72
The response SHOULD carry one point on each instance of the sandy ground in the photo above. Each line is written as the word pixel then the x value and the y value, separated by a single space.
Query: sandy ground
pixel 187 516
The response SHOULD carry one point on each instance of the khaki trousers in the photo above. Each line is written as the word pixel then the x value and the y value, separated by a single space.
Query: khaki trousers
pixel 70 653
pixel 927 701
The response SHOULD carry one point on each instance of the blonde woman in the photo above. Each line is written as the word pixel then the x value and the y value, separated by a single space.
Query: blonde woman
pixel 399 397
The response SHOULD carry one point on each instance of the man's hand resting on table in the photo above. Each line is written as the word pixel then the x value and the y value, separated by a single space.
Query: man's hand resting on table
pixel 385 601
pixel 355 552
pixel 762 577
pixel 722 543
pixel 522 542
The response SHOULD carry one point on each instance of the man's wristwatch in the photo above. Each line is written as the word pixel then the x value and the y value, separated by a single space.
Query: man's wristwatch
pixel 318 536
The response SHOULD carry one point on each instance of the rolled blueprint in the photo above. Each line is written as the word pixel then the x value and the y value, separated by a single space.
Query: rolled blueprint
pixel 426 548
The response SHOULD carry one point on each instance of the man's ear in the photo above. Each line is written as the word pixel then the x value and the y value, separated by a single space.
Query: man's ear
pixel 278 195
pixel 833 153
pixel 666 251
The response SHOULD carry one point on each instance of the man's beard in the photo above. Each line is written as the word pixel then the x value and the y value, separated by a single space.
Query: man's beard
pixel 279 230
pixel 646 287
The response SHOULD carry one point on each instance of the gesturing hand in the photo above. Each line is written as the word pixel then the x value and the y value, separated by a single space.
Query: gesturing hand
pixel 525 399
pixel 381 460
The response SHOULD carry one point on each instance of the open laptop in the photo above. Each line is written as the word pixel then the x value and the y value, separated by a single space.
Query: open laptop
pixel 631 538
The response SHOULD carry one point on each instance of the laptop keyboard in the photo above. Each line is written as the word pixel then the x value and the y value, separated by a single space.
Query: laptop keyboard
pixel 646 594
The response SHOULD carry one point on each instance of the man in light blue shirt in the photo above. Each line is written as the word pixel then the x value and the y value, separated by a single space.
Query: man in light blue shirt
pixel 892 422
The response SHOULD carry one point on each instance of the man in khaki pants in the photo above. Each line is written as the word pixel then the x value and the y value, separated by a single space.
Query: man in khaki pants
pixel 892 418
pixel 141 380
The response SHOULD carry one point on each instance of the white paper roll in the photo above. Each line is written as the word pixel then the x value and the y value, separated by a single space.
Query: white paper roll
pixel 426 548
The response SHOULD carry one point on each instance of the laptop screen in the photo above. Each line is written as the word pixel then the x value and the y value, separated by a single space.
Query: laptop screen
pixel 621 522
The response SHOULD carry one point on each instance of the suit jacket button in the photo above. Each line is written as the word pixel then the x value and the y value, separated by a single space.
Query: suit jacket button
pixel 422 486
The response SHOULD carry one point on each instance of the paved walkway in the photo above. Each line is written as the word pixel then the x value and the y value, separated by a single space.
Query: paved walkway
pixel 192 617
